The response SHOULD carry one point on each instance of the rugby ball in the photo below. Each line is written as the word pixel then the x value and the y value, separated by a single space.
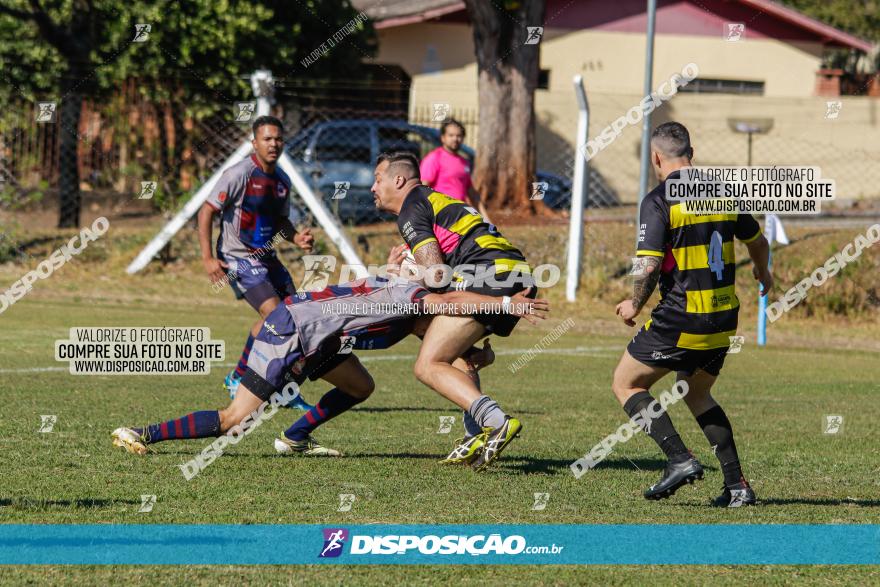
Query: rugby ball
pixel 409 269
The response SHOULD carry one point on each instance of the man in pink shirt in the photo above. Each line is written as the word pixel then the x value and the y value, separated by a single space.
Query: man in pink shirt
pixel 447 172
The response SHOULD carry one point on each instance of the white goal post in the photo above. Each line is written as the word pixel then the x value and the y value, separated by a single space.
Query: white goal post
pixel 261 81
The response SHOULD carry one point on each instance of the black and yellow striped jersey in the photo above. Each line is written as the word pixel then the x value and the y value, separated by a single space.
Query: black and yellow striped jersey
pixel 698 306
pixel 463 236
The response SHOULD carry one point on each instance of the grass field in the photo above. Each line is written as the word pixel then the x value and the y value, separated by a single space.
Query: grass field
pixel 776 398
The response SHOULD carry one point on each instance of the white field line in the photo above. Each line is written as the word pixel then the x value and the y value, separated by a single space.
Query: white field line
pixel 577 351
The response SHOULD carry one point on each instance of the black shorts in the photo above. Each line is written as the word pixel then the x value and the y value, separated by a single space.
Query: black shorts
pixel 508 284
pixel 653 348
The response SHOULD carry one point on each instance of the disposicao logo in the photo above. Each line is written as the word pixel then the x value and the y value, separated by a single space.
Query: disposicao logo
pixel 334 540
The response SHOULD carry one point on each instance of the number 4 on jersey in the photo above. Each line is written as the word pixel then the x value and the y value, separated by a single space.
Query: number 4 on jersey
pixel 716 256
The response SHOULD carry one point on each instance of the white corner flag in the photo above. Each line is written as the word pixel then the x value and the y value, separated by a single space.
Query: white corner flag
pixel 774 231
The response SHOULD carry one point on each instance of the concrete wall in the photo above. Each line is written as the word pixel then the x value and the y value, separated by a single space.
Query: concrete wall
pixel 441 56
pixel 440 59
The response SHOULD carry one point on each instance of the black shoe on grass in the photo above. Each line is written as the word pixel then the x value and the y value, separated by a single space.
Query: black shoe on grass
pixel 675 475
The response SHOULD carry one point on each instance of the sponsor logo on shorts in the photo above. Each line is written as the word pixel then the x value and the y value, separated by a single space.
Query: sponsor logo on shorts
pixel 720 300
pixel 346 344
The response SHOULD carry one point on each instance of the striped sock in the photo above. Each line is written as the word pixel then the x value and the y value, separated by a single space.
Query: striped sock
pixel 486 413
pixel 331 405
pixel 242 361
pixel 471 428
pixel 194 425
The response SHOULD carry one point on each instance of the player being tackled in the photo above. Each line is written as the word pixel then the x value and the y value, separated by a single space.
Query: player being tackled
pixel 311 335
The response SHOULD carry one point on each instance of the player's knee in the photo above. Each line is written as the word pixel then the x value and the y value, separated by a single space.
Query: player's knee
pixel 363 388
pixel 422 370
pixel 618 382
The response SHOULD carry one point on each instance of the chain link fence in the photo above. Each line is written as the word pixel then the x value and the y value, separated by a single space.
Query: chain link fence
pixel 838 135
pixel 122 143
pixel 335 131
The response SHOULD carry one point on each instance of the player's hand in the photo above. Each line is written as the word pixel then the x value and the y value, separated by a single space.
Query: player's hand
pixel 532 310
pixel 765 279
pixel 215 268
pixel 482 358
pixel 304 239
pixel 395 256
pixel 627 312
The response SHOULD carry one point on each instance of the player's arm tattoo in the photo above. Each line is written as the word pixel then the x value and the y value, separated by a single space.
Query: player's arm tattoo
pixel 428 255
pixel 644 284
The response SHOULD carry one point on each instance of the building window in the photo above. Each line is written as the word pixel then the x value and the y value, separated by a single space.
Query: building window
pixel 703 85
pixel 543 79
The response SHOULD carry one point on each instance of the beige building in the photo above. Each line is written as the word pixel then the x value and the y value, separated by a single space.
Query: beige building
pixel 756 59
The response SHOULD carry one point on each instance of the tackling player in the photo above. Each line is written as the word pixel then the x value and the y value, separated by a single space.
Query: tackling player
pixel 692 258
pixel 253 199
pixel 442 230
pixel 303 338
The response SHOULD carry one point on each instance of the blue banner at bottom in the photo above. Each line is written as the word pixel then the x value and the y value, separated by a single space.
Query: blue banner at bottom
pixel 440 544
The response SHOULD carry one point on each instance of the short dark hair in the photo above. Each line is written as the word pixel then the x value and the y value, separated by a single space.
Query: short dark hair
pixel 406 162
pixel 264 120
pixel 673 140
pixel 451 121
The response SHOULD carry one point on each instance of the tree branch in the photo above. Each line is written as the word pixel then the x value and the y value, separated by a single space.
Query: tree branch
pixel 53 34
pixel 19 14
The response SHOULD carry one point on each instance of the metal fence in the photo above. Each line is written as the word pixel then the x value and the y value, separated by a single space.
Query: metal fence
pixel 334 134
pixel 335 131
pixel 121 142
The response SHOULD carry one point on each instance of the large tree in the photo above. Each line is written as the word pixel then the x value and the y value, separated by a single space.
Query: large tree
pixel 58 46
pixel 508 75
pixel 196 61
pixel 859 17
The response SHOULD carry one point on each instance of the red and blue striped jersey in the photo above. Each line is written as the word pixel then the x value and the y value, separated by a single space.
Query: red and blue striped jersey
pixel 376 312
pixel 252 202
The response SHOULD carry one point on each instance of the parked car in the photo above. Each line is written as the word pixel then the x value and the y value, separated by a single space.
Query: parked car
pixel 338 157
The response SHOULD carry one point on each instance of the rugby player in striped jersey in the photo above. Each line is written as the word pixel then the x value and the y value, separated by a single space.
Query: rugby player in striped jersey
pixel 440 230
pixel 689 332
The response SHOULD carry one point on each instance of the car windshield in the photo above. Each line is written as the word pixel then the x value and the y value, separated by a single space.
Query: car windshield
pixel 343 143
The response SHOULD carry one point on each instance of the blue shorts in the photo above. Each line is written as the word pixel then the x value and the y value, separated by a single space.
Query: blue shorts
pixel 277 358
pixel 258 280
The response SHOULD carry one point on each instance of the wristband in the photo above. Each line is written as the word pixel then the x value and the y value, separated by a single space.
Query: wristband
pixel 505 304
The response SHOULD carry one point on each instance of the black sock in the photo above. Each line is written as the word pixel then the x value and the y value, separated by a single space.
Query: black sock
pixel 719 433
pixel 661 428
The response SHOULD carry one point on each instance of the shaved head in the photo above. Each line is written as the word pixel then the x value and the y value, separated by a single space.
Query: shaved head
pixel 672 140
pixel 395 176
pixel 401 163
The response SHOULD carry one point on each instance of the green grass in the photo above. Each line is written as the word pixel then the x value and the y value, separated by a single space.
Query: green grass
pixel 776 398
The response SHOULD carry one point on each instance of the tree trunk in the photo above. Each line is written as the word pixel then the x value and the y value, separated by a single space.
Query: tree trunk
pixel 508 75
pixel 68 168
